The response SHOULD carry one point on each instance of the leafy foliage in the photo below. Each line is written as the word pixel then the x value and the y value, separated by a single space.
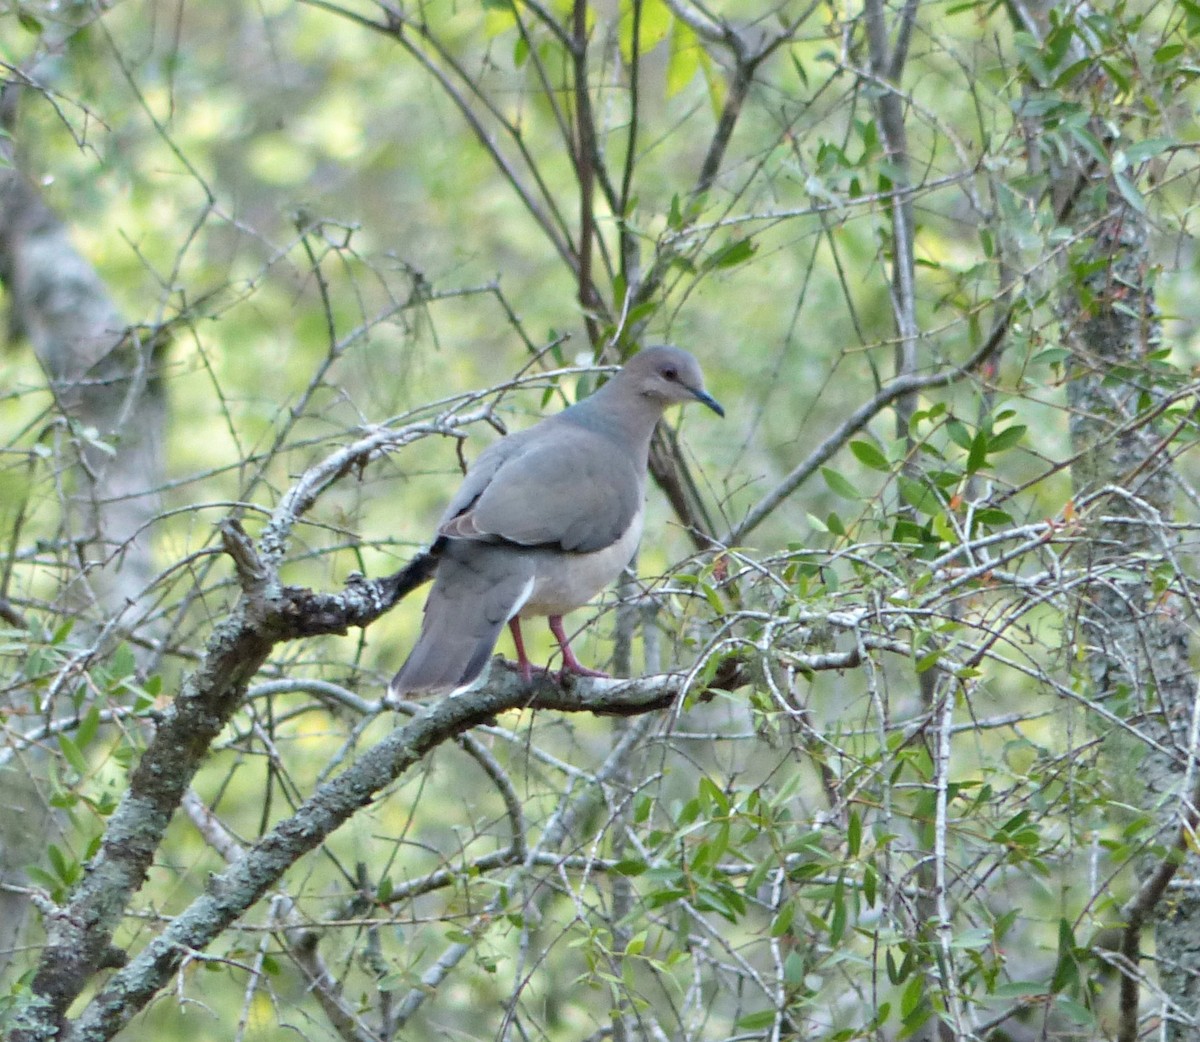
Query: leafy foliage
pixel 928 593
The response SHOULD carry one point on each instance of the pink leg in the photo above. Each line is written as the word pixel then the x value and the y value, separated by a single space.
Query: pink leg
pixel 570 662
pixel 514 626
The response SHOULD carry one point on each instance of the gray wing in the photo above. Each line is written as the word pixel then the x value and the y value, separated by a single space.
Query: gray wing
pixel 566 486
pixel 482 471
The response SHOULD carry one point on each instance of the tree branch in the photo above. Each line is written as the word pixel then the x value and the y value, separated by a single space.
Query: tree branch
pixel 79 935
pixel 901 385
pixel 237 888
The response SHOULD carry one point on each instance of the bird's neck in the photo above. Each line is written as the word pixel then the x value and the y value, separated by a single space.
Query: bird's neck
pixel 629 423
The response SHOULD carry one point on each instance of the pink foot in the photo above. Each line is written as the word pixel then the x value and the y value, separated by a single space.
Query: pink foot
pixel 523 663
pixel 575 669
pixel 570 663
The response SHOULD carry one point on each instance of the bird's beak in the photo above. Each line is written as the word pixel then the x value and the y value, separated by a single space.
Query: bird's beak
pixel 709 400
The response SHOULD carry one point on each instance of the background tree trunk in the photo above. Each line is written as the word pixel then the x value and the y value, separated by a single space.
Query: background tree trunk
pixel 106 428
pixel 1134 642
pixel 1132 635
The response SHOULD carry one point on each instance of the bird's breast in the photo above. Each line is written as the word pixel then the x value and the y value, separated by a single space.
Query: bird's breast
pixel 564 582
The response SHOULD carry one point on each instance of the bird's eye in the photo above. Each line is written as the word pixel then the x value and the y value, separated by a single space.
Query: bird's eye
pixel 670 373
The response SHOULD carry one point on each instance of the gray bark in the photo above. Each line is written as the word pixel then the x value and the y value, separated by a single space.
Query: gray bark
pixel 1135 646
pixel 110 414
pixel 110 403
pixel 1134 643
pixel 80 935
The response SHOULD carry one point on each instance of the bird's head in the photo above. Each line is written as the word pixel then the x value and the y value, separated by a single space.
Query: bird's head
pixel 668 375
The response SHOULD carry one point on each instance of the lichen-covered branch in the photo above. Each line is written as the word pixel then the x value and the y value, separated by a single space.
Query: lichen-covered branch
pixel 233 891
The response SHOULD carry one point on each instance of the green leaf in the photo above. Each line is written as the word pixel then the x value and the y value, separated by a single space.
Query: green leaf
pixel 868 454
pixel 918 495
pixel 734 252
pixel 837 921
pixel 793 969
pixel 1006 438
pixel 1129 192
pixel 1140 151
pixel 43 878
pixel 675 214
pixel 975 938
pixel 783 920
pixel 1076 1011
pixel 713 794
pixel 713 598
pixel 928 661
pixel 1091 144
pixel 73 754
pixel 977 457
pixel 1072 70
pixel 1005 922
pixel 28 21
pixel 839 485
pixel 683 61
pixel 1120 73
pixel 959 434
pixel 122 663
pixel 1052 356
pixel 1018 989
pixel 757 1021
pixel 896 973
pixel 1054 46
pixel 67 869
pixel 912 996
pixel 654 23
pixel 642 808
pixel 88 727
pixel 1066 972
pixel 799 68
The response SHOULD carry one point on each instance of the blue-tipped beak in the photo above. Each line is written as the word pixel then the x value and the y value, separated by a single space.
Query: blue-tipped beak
pixel 709 400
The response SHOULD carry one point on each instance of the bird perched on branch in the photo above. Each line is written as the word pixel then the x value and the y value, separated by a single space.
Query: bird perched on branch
pixel 544 520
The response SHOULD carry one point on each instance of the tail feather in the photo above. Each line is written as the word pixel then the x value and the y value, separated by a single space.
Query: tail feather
pixel 443 661
pixel 476 590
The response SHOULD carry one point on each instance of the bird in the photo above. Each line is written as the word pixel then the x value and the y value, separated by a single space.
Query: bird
pixel 545 518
